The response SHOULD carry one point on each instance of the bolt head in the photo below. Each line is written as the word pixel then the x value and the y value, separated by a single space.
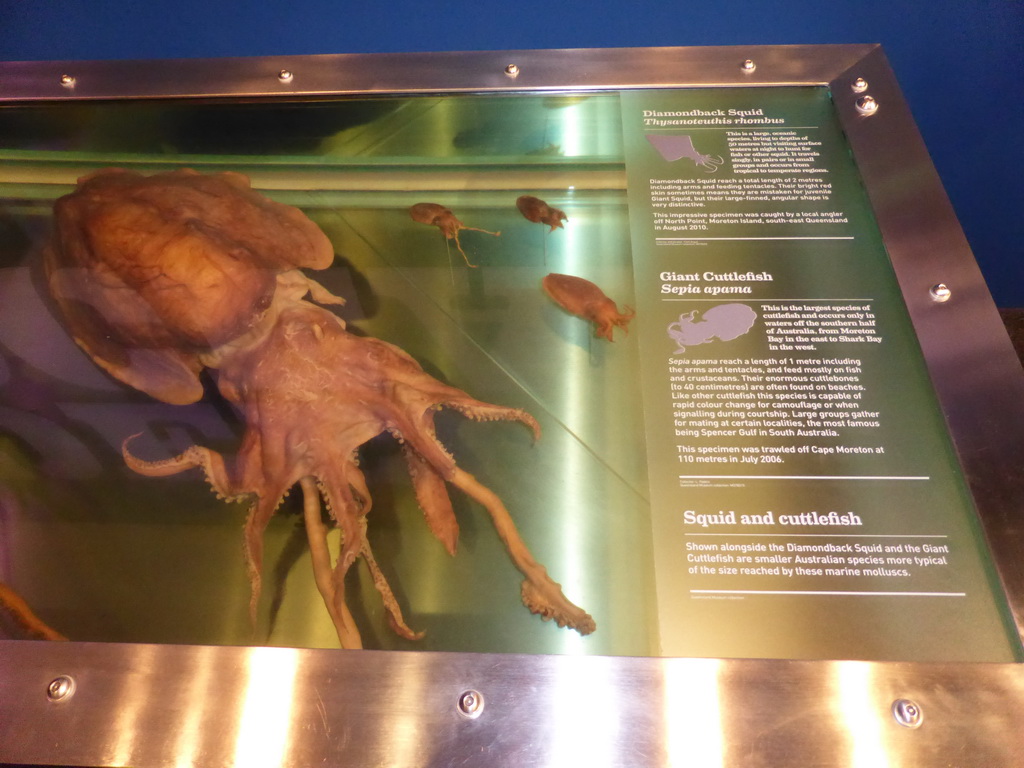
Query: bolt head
pixel 512 70
pixel 748 65
pixel 867 105
pixel 940 292
pixel 859 85
pixel 907 713
pixel 68 81
pixel 471 704
pixel 60 688
pixel 285 76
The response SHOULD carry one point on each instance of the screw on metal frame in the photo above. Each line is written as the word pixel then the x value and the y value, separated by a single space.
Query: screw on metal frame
pixel 471 704
pixel 867 105
pixel 60 688
pixel 907 713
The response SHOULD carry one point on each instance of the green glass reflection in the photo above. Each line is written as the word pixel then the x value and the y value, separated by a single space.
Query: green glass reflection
pixel 104 554
pixel 143 560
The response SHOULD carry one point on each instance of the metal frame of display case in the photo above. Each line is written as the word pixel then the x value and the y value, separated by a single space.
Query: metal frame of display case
pixel 163 705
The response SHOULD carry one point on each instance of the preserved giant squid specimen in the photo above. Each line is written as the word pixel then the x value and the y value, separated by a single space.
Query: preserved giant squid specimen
pixel 160 277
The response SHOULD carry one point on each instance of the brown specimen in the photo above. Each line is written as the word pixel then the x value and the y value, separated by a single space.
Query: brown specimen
pixel 583 298
pixel 14 606
pixel 539 212
pixel 310 392
pixel 152 272
pixel 443 218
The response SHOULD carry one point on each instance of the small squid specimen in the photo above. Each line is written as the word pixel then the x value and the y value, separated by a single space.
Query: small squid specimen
pixel 584 299
pixel 443 218
pixel 539 212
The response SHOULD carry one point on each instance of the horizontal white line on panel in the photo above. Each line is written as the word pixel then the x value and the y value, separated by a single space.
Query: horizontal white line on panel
pixel 702 239
pixel 820 592
pixel 832 535
pixel 803 477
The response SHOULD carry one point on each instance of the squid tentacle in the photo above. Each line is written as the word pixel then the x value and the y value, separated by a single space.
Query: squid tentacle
pixel 316 532
pixel 455 236
pixel 432 496
pixel 261 507
pixel 15 606
pixel 258 518
pixel 451 232
pixel 388 597
pixel 540 593
pixel 331 581
pixel 193 457
pixel 480 411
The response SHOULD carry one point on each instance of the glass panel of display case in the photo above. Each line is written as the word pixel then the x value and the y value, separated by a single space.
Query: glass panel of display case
pixel 643 349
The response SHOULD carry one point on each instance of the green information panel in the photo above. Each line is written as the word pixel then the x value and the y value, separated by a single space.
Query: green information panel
pixel 806 501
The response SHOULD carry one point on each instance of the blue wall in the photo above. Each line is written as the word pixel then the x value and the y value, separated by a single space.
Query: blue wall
pixel 959 63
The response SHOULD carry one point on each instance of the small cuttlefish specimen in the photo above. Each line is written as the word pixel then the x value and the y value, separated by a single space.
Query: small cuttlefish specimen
pixel 584 299
pixel 443 218
pixel 539 212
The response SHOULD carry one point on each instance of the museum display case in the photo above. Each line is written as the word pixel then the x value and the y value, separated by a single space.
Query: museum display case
pixel 627 407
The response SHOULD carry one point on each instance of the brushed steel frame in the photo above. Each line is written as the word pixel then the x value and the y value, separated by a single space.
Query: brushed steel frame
pixel 172 705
